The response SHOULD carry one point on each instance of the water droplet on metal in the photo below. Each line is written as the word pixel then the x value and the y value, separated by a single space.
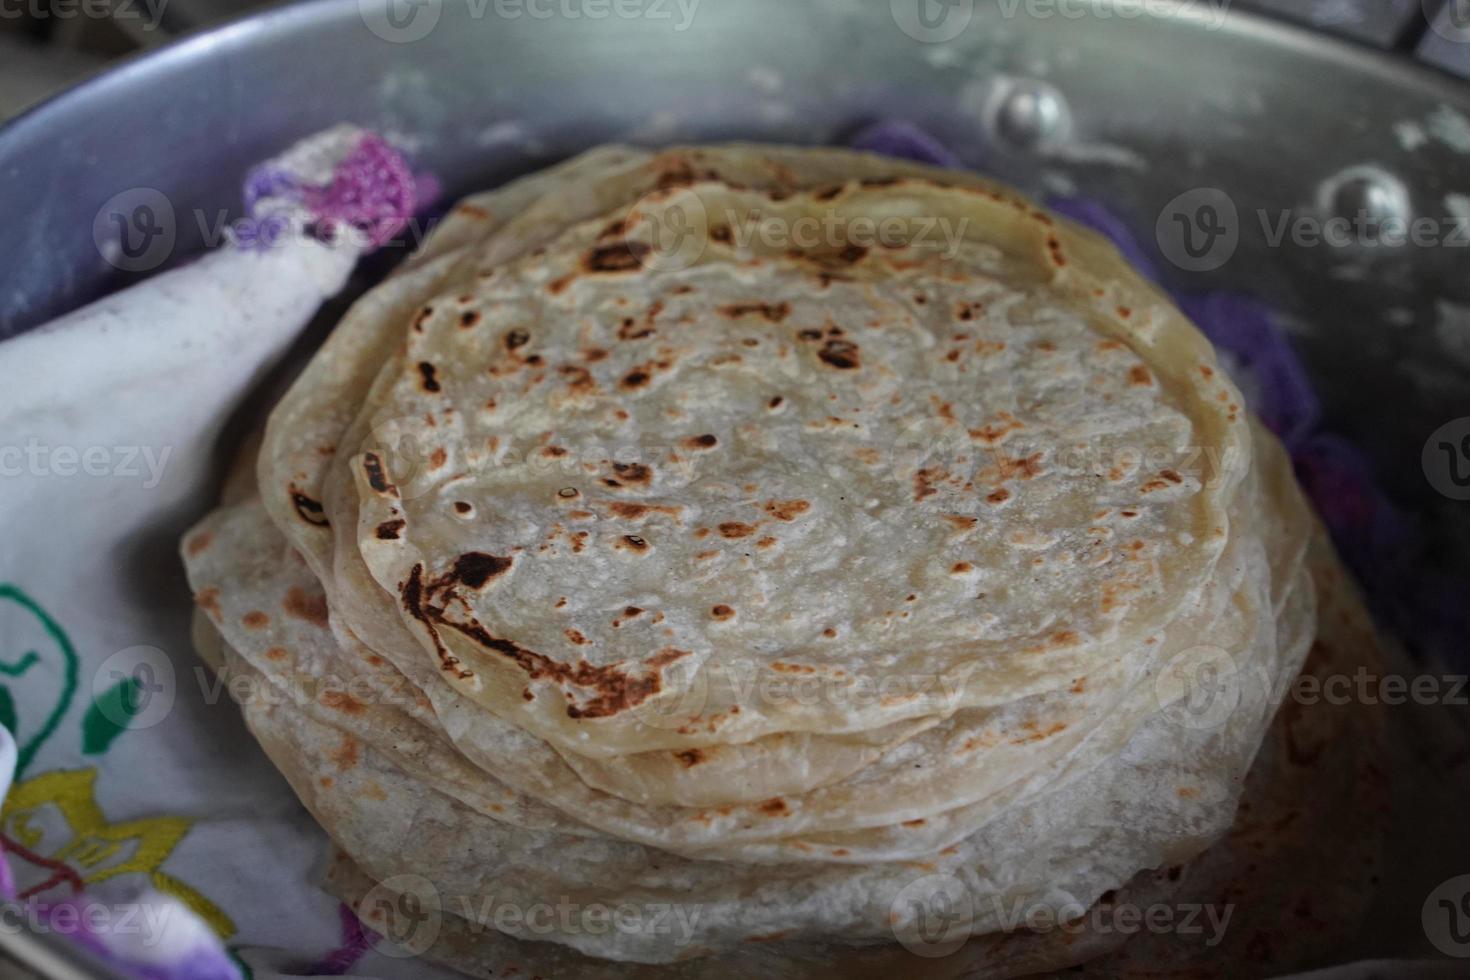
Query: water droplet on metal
pixel 1031 114
pixel 1372 199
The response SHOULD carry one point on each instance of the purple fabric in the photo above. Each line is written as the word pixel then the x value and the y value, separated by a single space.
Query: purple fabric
pixel 905 141
pixel 1386 549
pixel 356 940
pixel 1092 215
pixel 7 877
pixel 1243 327
pixel 1336 474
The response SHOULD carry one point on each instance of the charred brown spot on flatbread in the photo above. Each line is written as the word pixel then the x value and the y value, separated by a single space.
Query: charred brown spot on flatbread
pixel 774 312
pixel 597 691
pixel 308 509
pixel 377 475
pixel 841 354
pixel 623 256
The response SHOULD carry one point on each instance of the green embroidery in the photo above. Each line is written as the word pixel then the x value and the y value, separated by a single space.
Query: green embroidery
pixel 245 970
pixel 7 701
pixel 70 667
pixel 101 850
pixel 109 714
pixel 7 710
pixel 25 664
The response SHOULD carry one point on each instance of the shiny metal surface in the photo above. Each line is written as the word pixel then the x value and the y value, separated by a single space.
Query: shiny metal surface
pixel 1379 22
pixel 1148 108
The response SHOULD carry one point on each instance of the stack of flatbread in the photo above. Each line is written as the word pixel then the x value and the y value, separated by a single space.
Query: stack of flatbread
pixel 757 559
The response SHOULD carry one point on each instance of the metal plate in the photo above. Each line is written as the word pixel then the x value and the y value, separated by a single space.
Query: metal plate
pixel 1157 115
pixel 1191 95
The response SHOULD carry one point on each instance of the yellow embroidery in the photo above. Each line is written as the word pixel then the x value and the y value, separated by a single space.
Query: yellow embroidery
pixel 100 850
pixel 223 926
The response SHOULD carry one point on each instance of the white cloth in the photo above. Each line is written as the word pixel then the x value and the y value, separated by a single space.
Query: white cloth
pixel 109 423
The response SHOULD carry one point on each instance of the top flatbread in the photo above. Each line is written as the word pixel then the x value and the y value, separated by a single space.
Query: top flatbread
pixel 929 424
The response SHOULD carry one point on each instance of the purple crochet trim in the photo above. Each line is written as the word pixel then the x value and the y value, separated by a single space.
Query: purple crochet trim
pixel 356 940
pixel 269 180
pixel 373 191
pixel 1378 542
